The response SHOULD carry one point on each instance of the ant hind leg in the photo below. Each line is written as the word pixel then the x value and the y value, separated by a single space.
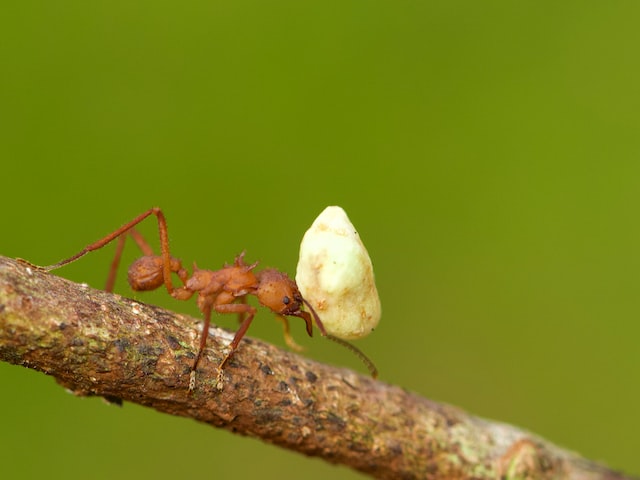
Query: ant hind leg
pixel 108 239
pixel 113 269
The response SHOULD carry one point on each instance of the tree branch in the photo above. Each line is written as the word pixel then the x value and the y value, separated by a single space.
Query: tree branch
pixel 95 343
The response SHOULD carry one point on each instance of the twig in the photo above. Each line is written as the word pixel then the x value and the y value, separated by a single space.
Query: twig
pixel 95 343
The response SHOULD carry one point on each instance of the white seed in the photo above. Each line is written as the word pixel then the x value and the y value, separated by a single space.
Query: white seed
pixel 335 276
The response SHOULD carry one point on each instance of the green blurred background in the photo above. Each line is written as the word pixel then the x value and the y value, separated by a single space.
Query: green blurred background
pixel 488 153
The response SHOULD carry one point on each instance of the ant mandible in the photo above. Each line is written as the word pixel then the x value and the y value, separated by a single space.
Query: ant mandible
pixel 217 289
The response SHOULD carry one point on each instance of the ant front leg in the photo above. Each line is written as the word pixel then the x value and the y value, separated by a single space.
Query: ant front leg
pixel 288 338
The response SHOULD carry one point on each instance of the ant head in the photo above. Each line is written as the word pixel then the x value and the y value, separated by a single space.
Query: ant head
pixel 278 292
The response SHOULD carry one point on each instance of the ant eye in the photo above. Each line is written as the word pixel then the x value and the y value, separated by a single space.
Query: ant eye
pixel 286 300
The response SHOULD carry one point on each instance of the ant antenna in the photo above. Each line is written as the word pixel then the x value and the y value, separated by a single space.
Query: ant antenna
pixel 366 360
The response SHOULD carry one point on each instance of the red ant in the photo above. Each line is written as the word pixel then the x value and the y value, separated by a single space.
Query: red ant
pixel 217 289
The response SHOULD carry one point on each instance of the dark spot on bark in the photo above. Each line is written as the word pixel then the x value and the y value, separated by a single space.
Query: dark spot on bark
pixel 62 326
pixel 308 402
pixel 337 421
pixel 284 403
pixel 159 315
pixel 2 307
pixel 148 350
pixel 312 377
pixel 233 363
pixel 294 380
pixel 283 387
pixel 121 344
pixel 149 366
pixel 267 416
pixel 173 342
pixel 77 342
pixel 257 403
pixel 266 370
pixel 359 447
pixel 11 355
pixel 150 356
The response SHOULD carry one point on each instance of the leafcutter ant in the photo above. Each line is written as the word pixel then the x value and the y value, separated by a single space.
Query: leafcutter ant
pixel 223 291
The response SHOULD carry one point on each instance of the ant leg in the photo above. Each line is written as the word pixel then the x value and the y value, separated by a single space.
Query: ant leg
pixel 203 336
pixel 288 339
pixel 243 300
pixel 144 247
pixel 203 342
pixel 240 308
pixel 103 241
pixel 113 270
pixel 164 244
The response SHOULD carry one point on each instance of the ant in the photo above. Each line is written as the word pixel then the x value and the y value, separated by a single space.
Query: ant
pixel 217 289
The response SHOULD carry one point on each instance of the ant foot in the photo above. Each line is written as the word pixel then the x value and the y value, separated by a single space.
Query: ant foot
pixel 30 265
pixel 220 380
pixel 192 381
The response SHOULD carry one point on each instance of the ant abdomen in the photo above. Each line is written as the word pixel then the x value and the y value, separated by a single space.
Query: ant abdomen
pixel 146 272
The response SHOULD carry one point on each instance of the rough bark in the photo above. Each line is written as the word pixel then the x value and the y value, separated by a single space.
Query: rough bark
pixel 95 343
